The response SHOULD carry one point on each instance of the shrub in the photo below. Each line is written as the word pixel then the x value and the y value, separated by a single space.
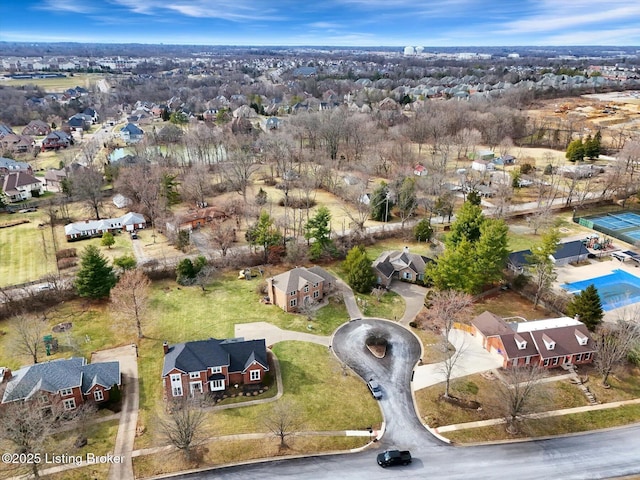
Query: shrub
pixel 298 203
pixel 65 263
pixel 66 253
pixel 413 324
pixel 526 168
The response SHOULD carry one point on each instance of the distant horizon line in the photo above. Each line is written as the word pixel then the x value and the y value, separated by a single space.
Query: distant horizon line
pixel 162 44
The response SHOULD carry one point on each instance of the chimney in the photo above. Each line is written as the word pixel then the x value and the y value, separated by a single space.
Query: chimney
pixel 5 374
pixel 405 249
pixel 577 317
pixel 165 347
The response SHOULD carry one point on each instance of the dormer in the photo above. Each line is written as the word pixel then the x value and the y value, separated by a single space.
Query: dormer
pixel 581 337
pixel 520 342
pixel 548 342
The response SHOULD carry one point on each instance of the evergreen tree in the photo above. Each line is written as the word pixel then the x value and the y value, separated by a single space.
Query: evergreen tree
pixel 381 203
pixel 107 240
pixel 170 189
pixel 588 306
pixel 360 275
pixel 575 151
pixel 317 228
pixel 592 146
pixel 474 198
pixel 453 270
pixel 491 251
pixel 467 224
pixel 263 233
pixel 423 231
pixel 95 278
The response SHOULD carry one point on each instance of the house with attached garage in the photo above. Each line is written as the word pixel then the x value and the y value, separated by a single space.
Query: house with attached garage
pixel 19 186
pixel 71 382
pixel 548 343
pixel 212 366
pixel 299 286
pixel 129 222
pixel 401 265
pixel 56 140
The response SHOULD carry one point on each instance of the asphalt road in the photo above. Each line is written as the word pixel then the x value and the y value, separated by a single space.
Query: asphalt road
pixel 604 454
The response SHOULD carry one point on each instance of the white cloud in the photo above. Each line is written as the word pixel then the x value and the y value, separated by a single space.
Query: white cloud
pixel 619 36
pixel 72 6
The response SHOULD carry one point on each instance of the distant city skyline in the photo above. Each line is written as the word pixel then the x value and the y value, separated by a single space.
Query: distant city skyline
pixel 357 23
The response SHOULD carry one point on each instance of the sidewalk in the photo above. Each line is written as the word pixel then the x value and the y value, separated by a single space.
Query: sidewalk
pixel 534 416
pixel 273 334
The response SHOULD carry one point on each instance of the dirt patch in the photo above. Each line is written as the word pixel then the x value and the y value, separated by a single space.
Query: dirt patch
pixel 377 345
pixel 461 402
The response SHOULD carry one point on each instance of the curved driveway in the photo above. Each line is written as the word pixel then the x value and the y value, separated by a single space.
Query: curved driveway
pixel 604 454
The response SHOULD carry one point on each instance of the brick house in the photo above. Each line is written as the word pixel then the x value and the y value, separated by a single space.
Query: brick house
pixel 56 140
pixel 298 286
pixel 549 343
pixel 403 265
pixel 37 127
pixel 210 366
pixel 70 381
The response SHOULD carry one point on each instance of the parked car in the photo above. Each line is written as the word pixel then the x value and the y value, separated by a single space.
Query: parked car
pixel 376 391
pixel 134 235
pixel 394 457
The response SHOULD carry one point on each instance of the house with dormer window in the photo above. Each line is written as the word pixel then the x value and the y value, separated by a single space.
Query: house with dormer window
pixel 211 366
pixel 549 343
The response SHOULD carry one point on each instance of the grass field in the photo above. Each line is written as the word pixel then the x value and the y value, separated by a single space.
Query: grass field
pixel 26 251
pixel 57 85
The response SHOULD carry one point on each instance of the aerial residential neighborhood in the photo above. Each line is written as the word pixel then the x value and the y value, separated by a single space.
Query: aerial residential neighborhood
pixel 215 257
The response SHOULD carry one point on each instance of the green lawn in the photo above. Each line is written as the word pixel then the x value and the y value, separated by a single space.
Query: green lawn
pixel 85 80
pixel 326 399
pixel 390 306
pixel 26 251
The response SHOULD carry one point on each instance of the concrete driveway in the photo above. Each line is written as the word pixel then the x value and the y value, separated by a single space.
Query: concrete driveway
pixel 474 359
pixel 413 297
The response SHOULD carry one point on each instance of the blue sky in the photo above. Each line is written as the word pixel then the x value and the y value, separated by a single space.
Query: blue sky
pixel 324 22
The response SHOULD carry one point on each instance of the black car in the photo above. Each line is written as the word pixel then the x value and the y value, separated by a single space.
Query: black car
pixel 394 457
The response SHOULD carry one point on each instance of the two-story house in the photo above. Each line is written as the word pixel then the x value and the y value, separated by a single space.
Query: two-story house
pixel 18 186
pixel 131 133
pixel 69 381
pixel 298 286
pixel 209 366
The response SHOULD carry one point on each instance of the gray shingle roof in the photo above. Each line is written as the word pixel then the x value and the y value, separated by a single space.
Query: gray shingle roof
pixel 199 355
pixel 60 374
pixel 295 279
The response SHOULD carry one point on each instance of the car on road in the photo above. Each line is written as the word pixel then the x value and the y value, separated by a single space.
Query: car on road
pixel 376 391
pixel 394 457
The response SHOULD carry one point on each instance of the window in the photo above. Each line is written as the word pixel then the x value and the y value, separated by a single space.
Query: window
pixel 43 399
pixel 316 294
pixel 69 404
pixel 176 384
pixel 254 375
pixel 555 361
pixel 315 285
pixel 514 362
pixel 407 275
pixel 306 289
pixel 292 293
pixel 66 392
pixel 587 356
pixel 293 302
pixel 194 375
pixel 546 362
pixel 177 391
pixel 215 385
pixel 98 395
pixel 527 360
pixel 578 357
pixel 216 369
pixel 195 387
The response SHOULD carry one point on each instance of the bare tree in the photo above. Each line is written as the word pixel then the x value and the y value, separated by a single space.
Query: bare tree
pixel 27 337
pixel 184 427
pixel 517 391
pixel 447 308
pixel 196 184
pixel 238 170
pixel 284 421
pixel 205 276
pixel 130 298
pixel 222 235
pixel 28 427
pixel 614 341
pixel 86 184
pixel 542 218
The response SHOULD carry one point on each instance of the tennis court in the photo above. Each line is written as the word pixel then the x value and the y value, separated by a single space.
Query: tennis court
pixel 624 226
